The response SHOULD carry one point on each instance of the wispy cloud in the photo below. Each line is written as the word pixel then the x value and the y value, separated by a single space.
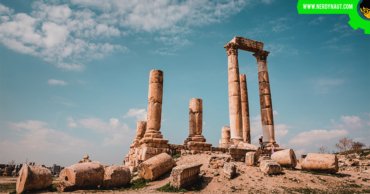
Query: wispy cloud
pixel 56 82
pixel 113 131
pixel 138 113
pixel 324 85
pixel 36 140
pixel 69 34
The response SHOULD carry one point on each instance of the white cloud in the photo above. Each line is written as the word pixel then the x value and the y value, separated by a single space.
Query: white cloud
pixel 267 1
pixel 113 132
pixel 56 82
pixel 279 24
pixel 71 35
pixel 317 137
pixel 324 85
pixel 5 10
pixel 138 113
pixel 35 140
pixel 351 122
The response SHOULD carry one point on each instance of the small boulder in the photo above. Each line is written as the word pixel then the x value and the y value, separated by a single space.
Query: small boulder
pixel 270 167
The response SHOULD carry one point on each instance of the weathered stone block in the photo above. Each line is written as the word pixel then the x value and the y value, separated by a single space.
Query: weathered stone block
pixel 320 162
pixel 185 175
pixel 156 166
pixel 285 158
pixel 33 178
pixel 81 175
pixel 229 170
pixel 270 167
pixel 250 158
pixel 116 176
pixel 218 161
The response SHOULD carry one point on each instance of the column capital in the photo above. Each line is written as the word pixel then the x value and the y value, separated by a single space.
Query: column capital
pixel 231 49
pixel 261 55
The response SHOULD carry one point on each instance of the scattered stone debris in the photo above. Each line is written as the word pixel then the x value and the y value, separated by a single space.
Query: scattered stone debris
pixel 229 170
pixel 270 167
pixel 86 158
pixel 218 161
pixel 33 178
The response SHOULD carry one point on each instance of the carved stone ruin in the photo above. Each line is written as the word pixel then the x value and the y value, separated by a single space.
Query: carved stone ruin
pixel 196 140
pixel 229 170
pixel 85 159
pixel 320 162
pixel 225 137
pixel 81 176
pixel 270 167
pixel 235 85
pixel 116 176
pixel 285 158
pixel 156 166
pixel 132 159
pixel 33 178
pixel 250 158
pixel 153 143
pixel 185 175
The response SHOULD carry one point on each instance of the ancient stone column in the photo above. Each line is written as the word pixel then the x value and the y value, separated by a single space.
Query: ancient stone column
pixel 234 93
pixel 140 131
pixel 196 140
pixel 245 109
pixel 265 98
pixel 196 119
pixel 155 95
pixel 225 137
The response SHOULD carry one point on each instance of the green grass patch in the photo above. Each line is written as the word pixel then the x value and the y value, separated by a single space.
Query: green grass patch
pixel 178 155
pixel 170 189
pixel 138 184
pixel 7 187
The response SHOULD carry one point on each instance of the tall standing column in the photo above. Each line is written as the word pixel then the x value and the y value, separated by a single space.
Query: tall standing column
pixel 245 108
pixel 265 98
pixel 234 93
pixel 155 95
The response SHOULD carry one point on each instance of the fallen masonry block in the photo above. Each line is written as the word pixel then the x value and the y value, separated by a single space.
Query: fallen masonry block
pixel 229 170
pixel 320 162
pixel 156 166
pixel 81 175
pixel 116 176
pixel 33 178
pixel 285 158
pixel 218 161
pixel 184 175
pixel 250 158
pixel 270 167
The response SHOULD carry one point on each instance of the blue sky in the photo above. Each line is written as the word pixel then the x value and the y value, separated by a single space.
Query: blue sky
pixel 74 74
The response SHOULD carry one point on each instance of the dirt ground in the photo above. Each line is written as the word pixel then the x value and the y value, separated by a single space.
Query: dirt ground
pixel 250 180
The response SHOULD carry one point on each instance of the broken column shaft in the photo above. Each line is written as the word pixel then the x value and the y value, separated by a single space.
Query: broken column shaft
pixel 265 98
pixel 234 93
pixel 196 140
pixel 245 108
pixel 225 137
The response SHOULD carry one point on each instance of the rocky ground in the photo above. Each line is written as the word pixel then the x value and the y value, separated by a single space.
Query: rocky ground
pixel 353 177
